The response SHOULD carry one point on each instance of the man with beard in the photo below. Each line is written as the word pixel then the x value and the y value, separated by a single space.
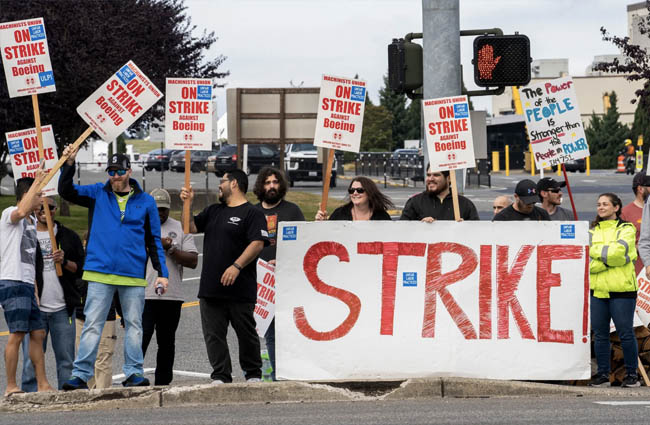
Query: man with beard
pixel 234 235
pixel 633 211
pixel 550 193
pixel 270 188
pixel 435 203
pixel 524 206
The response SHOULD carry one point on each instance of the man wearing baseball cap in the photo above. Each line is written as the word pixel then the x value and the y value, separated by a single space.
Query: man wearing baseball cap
pixel 524 206
pixel 123 232
pixel 162 312
pixel 633 212
pixel 550 194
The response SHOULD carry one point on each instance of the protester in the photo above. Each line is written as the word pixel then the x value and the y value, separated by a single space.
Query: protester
pixel 435 203
pixel 366 202
pixel 501 202
pixel 550 195
pixel 524 206
pixel 271 188
pixel 234 235
pixel 124 229
pixel 58 295
pixel 613 289
pixel 162 312
pixel 19 252
pixel 633 212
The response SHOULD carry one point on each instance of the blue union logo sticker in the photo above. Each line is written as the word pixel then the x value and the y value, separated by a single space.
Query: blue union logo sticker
pixel 567 231
pixel 15 146
pixel 410 279
pixel 36 32
pixel 358 94
pixel 289 233
pixel 204 92
pixel 125 74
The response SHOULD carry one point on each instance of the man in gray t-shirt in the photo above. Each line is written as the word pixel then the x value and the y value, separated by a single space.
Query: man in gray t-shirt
pixel 163 312
pixel 550 194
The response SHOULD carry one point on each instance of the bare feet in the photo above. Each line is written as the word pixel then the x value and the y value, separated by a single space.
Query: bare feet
pixel 13 390
pixel 45 388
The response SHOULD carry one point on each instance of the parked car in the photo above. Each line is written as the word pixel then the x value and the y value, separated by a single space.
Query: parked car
pixel 198 160
pixel 576 165
pixel 301 163
pixel 158 159
pixel 258 156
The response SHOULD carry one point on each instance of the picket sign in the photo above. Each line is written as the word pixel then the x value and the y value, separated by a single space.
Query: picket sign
pixel 188 123
pixel 554 125
pixel 265 305
pixel 450 145
pixel 28 71
pixel 396 300
pixel 339 121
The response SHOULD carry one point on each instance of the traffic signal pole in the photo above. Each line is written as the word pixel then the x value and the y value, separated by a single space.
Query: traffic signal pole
pixel 441 56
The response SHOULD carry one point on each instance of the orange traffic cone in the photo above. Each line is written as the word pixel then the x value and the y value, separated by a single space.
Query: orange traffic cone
pixel 620 167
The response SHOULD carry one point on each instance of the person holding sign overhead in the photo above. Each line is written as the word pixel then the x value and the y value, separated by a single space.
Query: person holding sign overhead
pixel 366 203
pixel 124 231
pixel 436 203
pixel 613 289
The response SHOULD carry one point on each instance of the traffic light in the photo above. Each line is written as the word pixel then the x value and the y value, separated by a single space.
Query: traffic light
pixel 404 66
pixel 501 60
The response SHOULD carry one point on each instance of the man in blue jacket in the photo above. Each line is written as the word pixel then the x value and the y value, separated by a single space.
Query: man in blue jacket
pixel 124 230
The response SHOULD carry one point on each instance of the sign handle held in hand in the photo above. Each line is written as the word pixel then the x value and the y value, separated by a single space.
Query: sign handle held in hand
pixel 186 203
pixel 454 194
pixel 568 189
pixel 41 156
pixel 326 180
pixel 64 158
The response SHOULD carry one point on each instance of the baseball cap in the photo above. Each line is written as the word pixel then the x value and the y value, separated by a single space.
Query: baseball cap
pixel 162 198
pixel 526 190
pixel 118 161
pixel 640 179
pixel 548 183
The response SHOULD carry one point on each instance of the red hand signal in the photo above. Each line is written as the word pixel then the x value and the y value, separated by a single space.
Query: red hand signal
pixel 487 62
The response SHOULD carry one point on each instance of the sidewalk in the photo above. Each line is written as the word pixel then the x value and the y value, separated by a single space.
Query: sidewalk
pixel 298 392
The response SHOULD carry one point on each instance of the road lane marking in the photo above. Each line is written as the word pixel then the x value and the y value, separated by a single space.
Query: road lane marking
pixel 623 403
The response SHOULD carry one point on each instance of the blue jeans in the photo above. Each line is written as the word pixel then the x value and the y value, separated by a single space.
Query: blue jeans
pixel 98 302
pixel 61 327
pixel 269 338
pixel 621 311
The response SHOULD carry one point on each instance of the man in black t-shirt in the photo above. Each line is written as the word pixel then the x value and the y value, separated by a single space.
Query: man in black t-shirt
pixel 234 235
pixel 435 203
pixel 524 206
pixel 270 188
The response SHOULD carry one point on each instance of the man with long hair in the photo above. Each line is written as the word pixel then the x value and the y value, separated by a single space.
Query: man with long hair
pixel 271 188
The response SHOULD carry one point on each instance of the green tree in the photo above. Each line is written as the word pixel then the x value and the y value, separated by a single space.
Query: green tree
pixel 414 120
pixel 89 40
pixel 606 136
pixel 377 130
pixel 641 124
pixel 396 105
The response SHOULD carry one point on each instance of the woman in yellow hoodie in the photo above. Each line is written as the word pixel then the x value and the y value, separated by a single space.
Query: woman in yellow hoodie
pixel 613 288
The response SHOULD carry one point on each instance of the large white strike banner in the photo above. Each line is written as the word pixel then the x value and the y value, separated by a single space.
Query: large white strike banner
pixel 382 300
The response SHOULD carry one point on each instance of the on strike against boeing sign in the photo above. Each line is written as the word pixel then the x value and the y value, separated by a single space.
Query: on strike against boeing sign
pixel 25 158
pixel 368 300
pixel 26 58
pixel 119 102
pixel 188 114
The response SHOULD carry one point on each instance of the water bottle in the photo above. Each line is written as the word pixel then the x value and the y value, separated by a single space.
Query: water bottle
pixel 159 289
pixel 266 367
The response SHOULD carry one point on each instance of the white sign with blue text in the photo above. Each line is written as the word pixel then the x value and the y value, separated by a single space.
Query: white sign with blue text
pixel 553 122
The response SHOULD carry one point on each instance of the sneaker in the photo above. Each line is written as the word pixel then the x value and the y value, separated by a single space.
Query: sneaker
pixel 600 380
pixel 75 383
pixel 217 382
pixel 631 381
pixel 253 380
pixel 136 380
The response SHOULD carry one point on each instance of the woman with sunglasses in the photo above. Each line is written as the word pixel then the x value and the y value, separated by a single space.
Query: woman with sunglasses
pixel 613 288
pixel 366 203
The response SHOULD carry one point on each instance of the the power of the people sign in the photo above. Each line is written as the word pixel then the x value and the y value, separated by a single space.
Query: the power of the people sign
pixel 188 114
pixel 26 58
pixel 119 102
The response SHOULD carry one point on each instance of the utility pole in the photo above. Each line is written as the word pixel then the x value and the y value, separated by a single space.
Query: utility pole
pixel 441 56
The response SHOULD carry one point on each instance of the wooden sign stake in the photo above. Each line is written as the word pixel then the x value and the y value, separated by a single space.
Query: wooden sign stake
pixel 326 180
pixel 41 156
pixel 64 158
pixel 186 203
pixel 454 194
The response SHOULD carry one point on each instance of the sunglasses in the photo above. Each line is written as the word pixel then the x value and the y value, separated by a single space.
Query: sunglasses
pixel 51 207
pixel 555 190
pixel 359 190
pixel 118 172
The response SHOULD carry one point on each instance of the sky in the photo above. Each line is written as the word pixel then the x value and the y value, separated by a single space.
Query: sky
pixel 277 43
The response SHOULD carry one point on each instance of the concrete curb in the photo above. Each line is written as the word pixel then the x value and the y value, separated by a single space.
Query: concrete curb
pixel 298 392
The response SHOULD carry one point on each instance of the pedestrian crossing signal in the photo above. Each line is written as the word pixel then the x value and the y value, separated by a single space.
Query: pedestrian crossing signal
pixel 501 60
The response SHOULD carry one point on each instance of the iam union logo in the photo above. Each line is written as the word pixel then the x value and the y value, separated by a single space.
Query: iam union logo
pixel 451 156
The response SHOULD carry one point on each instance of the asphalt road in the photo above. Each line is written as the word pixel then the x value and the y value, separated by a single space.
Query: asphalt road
pixel 502 411
pixel 192 365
